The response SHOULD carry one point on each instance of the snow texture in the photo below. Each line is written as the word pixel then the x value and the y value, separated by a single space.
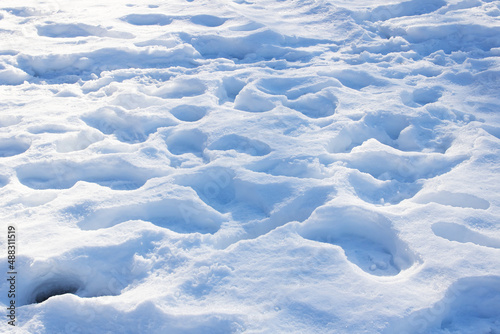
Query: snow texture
pixel 251 166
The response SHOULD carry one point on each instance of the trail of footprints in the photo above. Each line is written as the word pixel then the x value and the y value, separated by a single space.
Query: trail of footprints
pixel 206 198
pixel 393 181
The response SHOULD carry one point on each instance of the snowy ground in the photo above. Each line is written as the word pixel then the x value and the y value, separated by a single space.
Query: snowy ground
pixel 251 166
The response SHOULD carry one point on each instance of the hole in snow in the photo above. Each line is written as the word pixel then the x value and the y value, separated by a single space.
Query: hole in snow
pixel 54 287
pixel 459 200
pixel 462 234
pixel 367 238
pixel 208 20
pixel 13 146
pixel 188 113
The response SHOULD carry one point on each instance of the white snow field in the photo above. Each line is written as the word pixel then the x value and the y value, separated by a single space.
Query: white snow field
pixel 251 166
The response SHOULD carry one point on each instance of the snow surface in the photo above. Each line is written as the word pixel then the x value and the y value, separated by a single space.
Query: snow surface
pixel 251 166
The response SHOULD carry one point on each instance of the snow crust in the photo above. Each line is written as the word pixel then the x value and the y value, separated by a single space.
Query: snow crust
pixel 251 166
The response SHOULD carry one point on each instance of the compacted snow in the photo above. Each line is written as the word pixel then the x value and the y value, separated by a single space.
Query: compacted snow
pixel 251 166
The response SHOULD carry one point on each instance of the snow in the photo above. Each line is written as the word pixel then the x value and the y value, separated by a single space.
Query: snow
pixel 251 166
